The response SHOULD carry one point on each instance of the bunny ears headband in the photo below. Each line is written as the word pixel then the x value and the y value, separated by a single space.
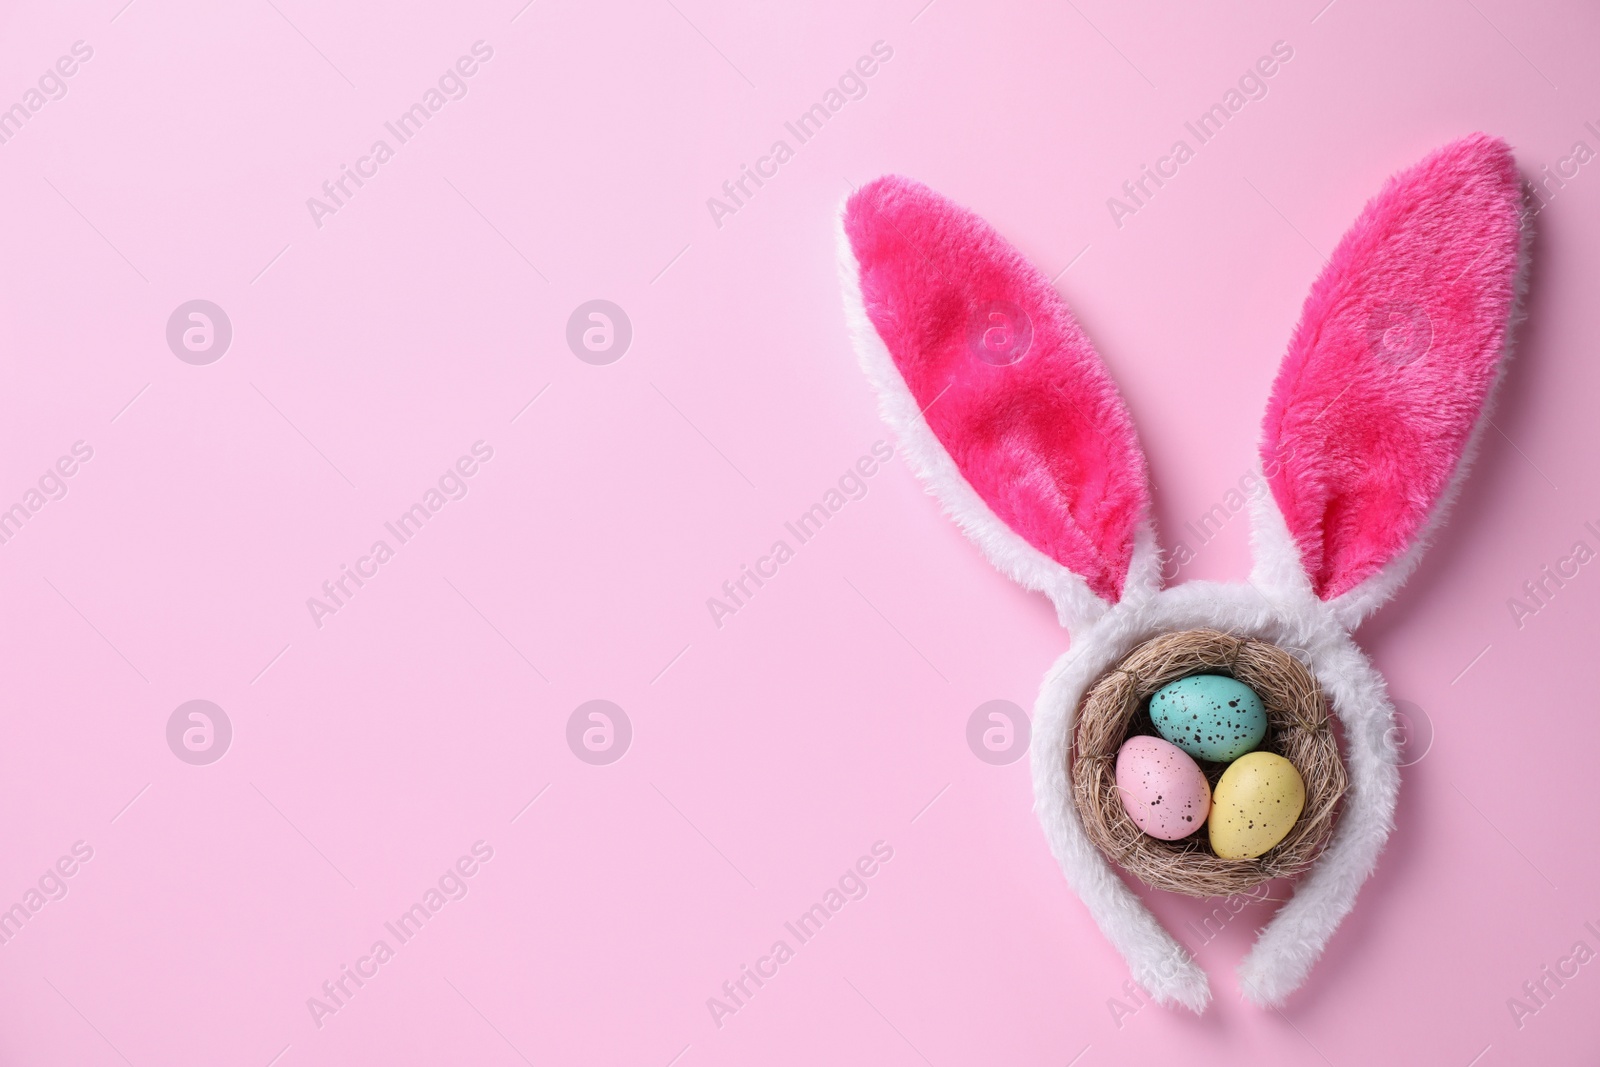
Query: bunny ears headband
pixel 1007 413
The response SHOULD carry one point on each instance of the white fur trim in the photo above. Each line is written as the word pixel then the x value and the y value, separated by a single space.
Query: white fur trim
pixel 1144 569
pixel 1278 568
pixel 1294 939
pixel 1297 935
pixel 1076 604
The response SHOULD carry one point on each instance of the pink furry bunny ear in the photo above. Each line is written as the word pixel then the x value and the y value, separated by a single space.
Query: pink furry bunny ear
pixel 1388 377
pixel 998 398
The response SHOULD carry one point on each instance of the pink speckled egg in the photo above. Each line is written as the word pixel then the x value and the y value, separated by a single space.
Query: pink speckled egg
pixel 1163 789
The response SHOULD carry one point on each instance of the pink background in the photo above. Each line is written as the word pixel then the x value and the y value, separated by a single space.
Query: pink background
pixel 828 714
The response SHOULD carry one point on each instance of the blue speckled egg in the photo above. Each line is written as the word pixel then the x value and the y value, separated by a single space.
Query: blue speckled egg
pixel 1210 716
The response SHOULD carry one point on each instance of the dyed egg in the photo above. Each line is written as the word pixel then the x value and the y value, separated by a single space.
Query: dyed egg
pixel 1257 801
pixel 1210 716
pixel 1164 791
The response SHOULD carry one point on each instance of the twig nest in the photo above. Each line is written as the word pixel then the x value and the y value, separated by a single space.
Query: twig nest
pixel 1298 729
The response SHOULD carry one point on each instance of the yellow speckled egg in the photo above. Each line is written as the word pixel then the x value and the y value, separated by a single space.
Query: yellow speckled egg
pixel 1255 803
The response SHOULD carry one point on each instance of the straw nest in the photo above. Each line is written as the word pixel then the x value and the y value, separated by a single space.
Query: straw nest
pixel 1117 706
